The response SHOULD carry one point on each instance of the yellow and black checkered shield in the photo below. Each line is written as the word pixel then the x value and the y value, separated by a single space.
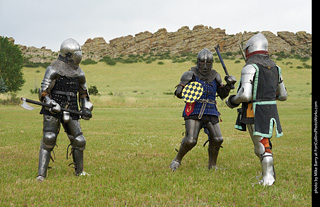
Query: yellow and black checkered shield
pixel 192 92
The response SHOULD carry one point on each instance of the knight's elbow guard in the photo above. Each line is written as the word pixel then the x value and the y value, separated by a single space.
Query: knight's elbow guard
pixel 230 103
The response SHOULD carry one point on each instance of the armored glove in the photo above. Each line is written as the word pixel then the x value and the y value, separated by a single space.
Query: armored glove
pixel 86 114
pixel 229 102
pixel 55 106
pixel 231 80
pixel 178 91
pixel 86 108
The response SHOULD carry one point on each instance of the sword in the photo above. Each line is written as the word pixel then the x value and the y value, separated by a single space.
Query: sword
pixel 28 107
pixel 222 62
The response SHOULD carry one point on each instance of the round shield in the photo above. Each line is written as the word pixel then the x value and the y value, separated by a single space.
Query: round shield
pixel 192 92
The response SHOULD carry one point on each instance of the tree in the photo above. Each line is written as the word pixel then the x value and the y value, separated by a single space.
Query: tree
pixel 3 87
pixel 11 62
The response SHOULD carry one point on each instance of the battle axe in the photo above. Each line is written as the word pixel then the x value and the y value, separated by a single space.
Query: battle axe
pixel 28 107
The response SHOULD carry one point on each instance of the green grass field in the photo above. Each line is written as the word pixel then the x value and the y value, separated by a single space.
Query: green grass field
pixel 131 138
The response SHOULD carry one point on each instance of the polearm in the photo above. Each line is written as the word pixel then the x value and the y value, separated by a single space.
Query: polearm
pixel 242 53
pixel 26 106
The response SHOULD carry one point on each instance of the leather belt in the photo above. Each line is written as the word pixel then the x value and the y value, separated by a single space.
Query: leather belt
pixel 65 93
pixel 207 101
pixel 204 105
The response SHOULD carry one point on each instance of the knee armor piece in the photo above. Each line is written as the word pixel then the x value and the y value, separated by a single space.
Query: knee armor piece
pixel 189 141
pixel 49 140
pixel 78 141
pixel 51 127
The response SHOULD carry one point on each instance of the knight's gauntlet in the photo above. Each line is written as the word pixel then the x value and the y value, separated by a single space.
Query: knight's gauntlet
pixel 178 91
pixel 55 106
pixel 85 104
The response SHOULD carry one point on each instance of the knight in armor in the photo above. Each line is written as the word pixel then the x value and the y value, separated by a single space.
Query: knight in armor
pixel 260 86
pixel 203 112
pixel 64 85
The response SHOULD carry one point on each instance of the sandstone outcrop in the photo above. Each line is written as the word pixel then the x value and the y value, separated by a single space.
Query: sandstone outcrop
pixel 186 40
pixel 181 41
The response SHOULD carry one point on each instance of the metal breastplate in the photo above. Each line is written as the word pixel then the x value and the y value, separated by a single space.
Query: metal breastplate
pixel 65 92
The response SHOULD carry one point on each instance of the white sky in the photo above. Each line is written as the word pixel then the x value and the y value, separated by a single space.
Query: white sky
pixel 48 23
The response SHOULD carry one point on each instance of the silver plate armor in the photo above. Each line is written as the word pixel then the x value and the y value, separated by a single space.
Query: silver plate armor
pixel 266 159
pixel 245 92
pixel 256 52
pixel 70 51
pixel 64 68
pixel 257 42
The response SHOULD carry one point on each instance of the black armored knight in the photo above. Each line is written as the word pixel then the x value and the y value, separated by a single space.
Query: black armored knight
pixel 63 85
pixel 202 112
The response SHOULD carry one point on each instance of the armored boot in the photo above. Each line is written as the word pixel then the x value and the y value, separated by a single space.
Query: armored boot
pixel 188 142
pixel 213 152
pixel 44 158
pixel 77 156
pixel 186 145
pixel 268 173
pixel 176 162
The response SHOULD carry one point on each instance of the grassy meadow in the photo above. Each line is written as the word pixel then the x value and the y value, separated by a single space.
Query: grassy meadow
pixel 131 141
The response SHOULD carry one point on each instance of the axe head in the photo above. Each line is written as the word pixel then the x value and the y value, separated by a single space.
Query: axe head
pixel 25 104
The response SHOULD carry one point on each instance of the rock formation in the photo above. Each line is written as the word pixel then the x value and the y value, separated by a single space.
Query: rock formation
pixel 186 40
pixel 183 40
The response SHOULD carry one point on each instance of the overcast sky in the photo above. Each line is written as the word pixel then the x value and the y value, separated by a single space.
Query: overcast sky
pixel 48 23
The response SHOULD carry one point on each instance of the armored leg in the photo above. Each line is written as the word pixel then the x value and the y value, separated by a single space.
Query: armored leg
pixel 262 148
pixel 51 127
pixel 188 142
pixel 78 143
pixel 215 141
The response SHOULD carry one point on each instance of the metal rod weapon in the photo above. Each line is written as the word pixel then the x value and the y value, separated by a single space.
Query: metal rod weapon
pixel 28 107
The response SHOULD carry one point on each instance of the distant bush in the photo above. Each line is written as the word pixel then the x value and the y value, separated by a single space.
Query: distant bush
pixel 281 55
pixel 108 60
pixel 34 91
pixel 30 64
pixel 229 53
pixel 237 61
pixel 93 90
pixel 88 62
pixel 307 66
pixel 304 59
pixel 160 63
